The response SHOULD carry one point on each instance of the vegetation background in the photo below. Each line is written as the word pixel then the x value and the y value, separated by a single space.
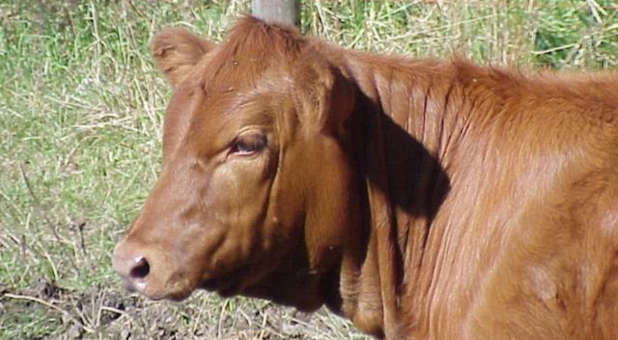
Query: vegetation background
pixel 81 108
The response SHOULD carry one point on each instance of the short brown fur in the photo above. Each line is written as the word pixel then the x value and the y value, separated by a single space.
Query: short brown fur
pixel 422 199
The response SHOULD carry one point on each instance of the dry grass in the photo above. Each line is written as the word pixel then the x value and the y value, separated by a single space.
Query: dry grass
pixel 80 114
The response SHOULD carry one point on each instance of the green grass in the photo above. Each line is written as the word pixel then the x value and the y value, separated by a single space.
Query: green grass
pixel 81 107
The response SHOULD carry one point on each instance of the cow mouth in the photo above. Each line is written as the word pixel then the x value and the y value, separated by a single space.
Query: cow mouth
pixel 176 292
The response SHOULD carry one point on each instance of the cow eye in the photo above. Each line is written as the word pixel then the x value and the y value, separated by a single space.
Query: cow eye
pixel 248 144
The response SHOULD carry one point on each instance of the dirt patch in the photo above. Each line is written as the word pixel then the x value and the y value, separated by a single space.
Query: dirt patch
pixel 107 313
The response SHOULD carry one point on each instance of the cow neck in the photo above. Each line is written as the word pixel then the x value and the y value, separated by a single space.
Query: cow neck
pixel 399 144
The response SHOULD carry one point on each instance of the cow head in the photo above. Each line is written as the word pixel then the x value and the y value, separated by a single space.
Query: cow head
pixel 254 193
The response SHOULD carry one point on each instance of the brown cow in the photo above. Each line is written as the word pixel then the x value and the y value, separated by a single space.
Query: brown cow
pixel 421 199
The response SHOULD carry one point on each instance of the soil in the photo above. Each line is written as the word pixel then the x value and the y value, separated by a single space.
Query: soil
pixel 110 313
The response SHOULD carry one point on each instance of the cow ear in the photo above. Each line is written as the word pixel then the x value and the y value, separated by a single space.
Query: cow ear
pixel 328 98
pixel 176 51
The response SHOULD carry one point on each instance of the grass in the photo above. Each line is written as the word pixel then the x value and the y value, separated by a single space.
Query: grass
pixel 81 108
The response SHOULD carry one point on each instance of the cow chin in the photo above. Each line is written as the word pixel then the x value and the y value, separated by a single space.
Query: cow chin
pixel 277 284
pixel 232 282
pixel 305 297
pixel 270 279
pixel 223 286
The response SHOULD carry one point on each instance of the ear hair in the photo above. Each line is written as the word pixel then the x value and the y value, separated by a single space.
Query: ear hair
pixel 326 97
pixel 176 51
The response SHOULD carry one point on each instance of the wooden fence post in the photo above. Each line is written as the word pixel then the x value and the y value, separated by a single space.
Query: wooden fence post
pixel 280 11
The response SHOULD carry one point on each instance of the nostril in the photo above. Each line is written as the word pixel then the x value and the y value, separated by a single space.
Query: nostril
pixel 141 269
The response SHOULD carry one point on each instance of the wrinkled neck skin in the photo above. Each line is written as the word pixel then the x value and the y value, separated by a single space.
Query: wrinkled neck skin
pixel 398 143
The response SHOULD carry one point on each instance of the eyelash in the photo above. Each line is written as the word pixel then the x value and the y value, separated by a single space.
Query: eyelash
pixel 248 145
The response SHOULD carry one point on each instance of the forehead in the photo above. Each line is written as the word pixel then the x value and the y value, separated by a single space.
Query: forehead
pixel 244 59
pixel 235 87
pixel 245 80
pixel 222 96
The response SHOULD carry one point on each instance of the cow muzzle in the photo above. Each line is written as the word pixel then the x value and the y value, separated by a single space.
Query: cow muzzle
pixel 148 272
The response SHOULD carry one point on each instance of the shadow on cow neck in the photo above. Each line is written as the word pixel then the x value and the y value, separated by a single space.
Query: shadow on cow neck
pixel 397 168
